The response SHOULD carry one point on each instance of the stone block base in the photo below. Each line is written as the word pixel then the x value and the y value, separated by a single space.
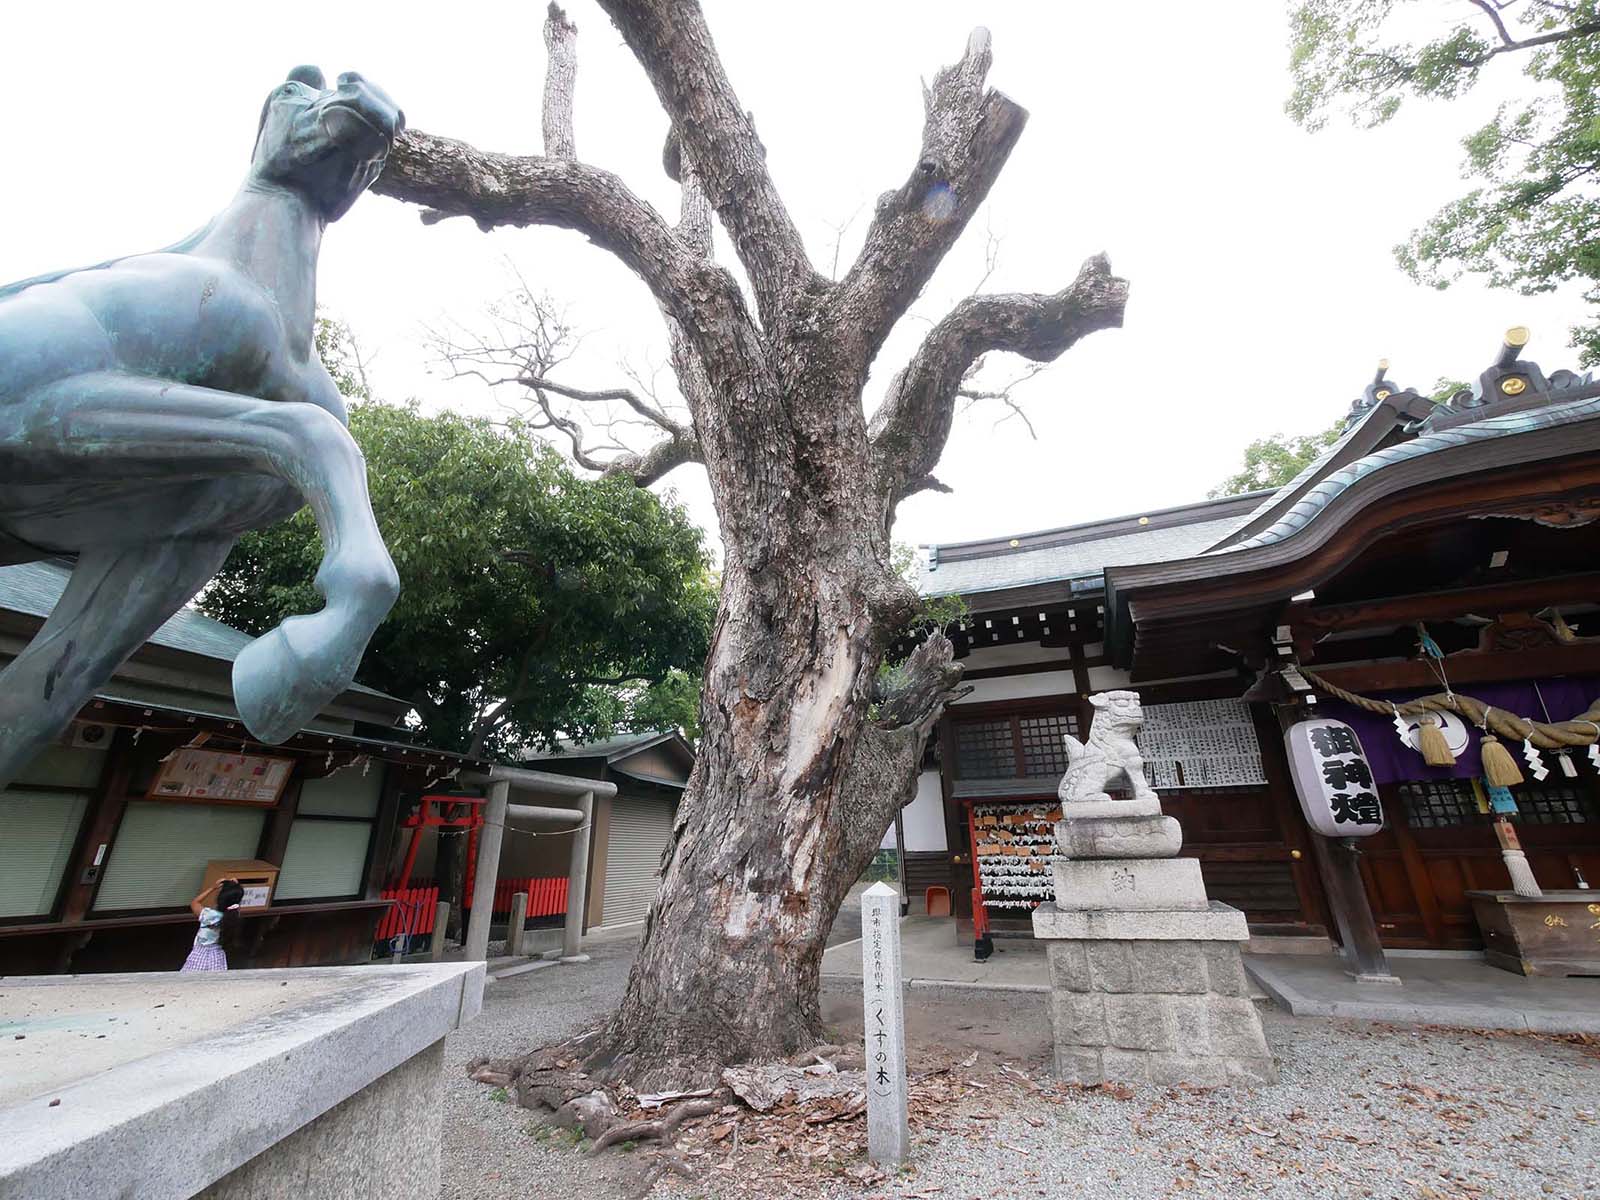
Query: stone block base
pixel 1129 884
pixel 1159 1010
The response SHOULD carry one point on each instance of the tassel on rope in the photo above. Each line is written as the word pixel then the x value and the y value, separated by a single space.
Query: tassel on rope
pixel 1430 740
pixel 1499 768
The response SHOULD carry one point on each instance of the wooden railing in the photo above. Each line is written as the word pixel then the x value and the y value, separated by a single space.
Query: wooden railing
pixel 412 911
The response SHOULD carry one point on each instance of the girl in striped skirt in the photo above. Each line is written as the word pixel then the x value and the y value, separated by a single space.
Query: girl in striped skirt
pixel 218 910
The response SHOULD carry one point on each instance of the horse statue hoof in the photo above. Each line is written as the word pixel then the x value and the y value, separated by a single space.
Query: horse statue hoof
pixel 276 689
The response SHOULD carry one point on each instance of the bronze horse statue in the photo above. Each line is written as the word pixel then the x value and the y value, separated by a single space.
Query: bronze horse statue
pixel 153 408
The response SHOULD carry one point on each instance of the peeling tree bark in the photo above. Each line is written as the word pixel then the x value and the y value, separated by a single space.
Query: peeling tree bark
pixel 804 758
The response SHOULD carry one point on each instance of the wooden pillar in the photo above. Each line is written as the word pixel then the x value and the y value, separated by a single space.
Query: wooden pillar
pixel 955 824
pixel 275 837
pixel 1339 860
pixel 105 814
pixel 380 856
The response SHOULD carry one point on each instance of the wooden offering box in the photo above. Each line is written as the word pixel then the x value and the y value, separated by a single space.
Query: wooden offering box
pixel 256 877
pixel 1554 934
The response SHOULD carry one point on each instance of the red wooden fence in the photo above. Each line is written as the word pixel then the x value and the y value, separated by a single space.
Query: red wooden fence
pixel 412 912
pixel 415 907
pixel 546 897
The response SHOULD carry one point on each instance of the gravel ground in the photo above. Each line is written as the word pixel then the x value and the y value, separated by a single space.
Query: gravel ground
pixel 1362 1111
pixel 488 1152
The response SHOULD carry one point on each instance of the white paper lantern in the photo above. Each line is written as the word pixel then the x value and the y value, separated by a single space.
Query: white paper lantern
pixel 1333 779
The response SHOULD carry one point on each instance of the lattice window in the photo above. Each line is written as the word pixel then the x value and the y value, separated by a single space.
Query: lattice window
pixel 1042 750
pixel 1555 804
pixel 985 750
pixel 1438 803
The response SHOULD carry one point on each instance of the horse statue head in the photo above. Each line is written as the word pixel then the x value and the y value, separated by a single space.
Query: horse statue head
pixel 326 143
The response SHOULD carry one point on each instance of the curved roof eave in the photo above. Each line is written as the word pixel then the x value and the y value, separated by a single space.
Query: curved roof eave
pixel 1549 433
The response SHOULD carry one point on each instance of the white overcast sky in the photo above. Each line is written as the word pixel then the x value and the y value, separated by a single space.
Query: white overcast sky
pixel 1263 287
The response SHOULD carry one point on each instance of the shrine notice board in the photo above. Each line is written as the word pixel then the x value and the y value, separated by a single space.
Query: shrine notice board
pixel 190 773
pixel 1201 743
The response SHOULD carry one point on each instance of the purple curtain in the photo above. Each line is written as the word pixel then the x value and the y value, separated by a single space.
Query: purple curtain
pixel 1395 762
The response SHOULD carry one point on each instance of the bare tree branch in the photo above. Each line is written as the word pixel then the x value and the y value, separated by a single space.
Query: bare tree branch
pixel 673 45
pixel 455 179
pixel 560 78
pixel 529 340
pixel 973 394
pixel 694 213
pixel 1509 44
pixel 910 427
pixel 967 136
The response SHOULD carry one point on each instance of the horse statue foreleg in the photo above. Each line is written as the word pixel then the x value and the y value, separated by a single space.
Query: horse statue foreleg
pixel 114 602
pixel 110 424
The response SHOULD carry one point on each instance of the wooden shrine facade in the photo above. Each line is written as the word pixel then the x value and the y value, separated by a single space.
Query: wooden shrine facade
pixel 1476 522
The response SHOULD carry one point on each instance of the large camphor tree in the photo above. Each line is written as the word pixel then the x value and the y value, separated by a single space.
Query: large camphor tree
pixel 805 755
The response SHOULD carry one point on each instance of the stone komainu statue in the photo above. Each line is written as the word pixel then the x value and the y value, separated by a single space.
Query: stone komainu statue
pixel 155 407
pixel 1109 757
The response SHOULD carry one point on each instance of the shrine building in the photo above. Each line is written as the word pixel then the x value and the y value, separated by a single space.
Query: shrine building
pixel 1434 546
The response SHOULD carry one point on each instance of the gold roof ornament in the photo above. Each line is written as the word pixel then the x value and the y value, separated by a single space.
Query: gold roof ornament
pixel 1518 335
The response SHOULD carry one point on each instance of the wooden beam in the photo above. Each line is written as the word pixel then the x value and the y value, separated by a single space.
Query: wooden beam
pixel 1520 595
pixel 1033 668
pixel 1569 658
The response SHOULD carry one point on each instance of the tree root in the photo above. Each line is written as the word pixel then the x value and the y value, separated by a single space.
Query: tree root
pixel 663 1127
pixel 662 1162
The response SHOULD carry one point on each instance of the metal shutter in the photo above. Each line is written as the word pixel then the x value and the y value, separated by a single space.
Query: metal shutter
pixel 40 828
pixel 639 833
pixel 349 792
pixel 324 859
pixel 159 857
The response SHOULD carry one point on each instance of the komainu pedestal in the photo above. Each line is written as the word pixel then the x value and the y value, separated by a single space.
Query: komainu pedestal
pixel 1152 996
pixel 1146 981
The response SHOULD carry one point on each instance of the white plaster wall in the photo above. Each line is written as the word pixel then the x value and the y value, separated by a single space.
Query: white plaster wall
pixel 1103 679
pixel 923 817
pixel 985 658
pixel 1018 687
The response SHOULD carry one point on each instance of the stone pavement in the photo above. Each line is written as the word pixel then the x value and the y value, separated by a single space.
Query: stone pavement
pixel 1461 992
pixel 930 954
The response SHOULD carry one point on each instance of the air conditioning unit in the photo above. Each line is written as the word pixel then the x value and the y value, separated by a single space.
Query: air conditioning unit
pixel 88 736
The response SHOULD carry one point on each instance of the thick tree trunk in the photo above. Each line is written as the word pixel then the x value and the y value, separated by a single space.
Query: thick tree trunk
pixel 761 854
pixel 782 813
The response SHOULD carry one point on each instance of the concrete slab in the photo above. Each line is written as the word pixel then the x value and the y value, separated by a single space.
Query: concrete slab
pixel 202 1072
pixel 931 955
pixel 1461 993
pixel 50 1036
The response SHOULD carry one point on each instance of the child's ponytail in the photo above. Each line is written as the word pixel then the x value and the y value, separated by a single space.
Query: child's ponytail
pixel 228 898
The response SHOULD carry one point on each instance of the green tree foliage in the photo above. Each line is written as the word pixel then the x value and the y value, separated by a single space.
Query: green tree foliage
pixel 534 604
pixel 1531 222
pixel 1271 462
